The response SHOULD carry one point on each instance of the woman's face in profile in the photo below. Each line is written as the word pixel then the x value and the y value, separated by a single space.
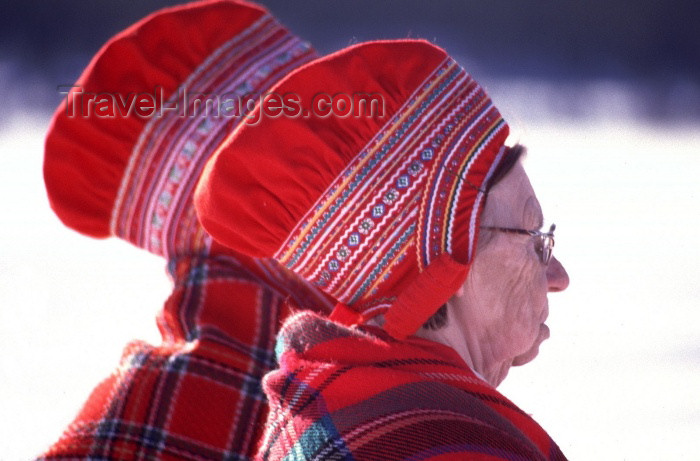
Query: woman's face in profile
pixel 503 303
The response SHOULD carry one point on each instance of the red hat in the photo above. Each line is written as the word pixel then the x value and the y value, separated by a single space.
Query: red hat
pixel 379 210
pixel 126 147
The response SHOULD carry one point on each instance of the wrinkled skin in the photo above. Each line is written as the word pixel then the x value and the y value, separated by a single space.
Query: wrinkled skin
pixel 497 320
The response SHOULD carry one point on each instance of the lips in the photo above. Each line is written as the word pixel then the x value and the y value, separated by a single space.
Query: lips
pixel 544 332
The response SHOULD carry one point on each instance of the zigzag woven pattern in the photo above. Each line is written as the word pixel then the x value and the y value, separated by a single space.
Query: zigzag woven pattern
pixel 396 202
pixel 154 204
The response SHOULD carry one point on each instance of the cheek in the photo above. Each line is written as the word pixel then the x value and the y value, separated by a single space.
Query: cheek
pixel 524 317
pixel 515 303
pixel 528 331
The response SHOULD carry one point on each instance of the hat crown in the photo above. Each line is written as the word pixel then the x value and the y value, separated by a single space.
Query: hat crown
pixel 362 207
pixel 153 207
pixel 115 165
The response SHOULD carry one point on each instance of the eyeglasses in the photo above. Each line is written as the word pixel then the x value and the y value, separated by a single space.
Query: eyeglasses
pixel 544 241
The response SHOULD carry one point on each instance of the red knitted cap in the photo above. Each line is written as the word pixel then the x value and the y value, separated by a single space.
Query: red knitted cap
pixel 380 211
pixel 126 147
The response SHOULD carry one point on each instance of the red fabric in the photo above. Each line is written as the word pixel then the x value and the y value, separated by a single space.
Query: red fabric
pixel 443 277
pixel 342 313
pixel 198 395
pixel 298 157
pixel 356 393
pixel 382 211
pixel 86 156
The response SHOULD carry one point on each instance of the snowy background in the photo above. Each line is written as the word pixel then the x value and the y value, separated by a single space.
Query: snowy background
pixel 607 98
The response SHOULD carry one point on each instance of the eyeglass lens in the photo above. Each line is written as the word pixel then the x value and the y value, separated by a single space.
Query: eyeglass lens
pixel 545 245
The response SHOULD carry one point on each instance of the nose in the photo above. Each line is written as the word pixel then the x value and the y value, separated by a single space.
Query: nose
pixel 557 278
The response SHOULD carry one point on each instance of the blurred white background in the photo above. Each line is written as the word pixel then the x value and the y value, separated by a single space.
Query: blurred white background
pixel 606 95
pixel 618 379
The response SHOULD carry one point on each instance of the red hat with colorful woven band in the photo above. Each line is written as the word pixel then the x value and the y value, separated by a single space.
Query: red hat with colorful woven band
pixel 379 209
pixel 126 147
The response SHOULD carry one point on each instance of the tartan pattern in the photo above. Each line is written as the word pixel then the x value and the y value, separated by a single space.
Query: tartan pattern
pixel 198 396
pixel 357 394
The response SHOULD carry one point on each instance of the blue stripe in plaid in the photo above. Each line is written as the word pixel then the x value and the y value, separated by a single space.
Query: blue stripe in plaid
pixel 153 437
pixel 107 429
pixel 324 435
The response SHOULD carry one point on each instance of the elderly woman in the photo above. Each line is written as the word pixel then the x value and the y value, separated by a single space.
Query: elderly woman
pixel 398 197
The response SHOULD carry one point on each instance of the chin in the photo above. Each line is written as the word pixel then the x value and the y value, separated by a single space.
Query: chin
pixel 530 355
pixel 527 357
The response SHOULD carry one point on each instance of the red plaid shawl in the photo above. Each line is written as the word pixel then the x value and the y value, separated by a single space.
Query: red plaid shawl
pixel 349 394
pixel 198 396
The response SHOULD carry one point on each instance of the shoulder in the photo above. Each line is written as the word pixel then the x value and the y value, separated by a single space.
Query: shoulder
pixel 305 331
